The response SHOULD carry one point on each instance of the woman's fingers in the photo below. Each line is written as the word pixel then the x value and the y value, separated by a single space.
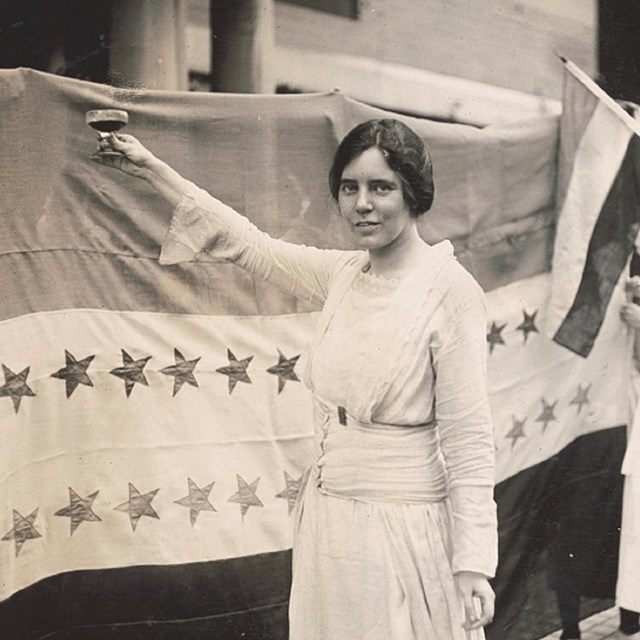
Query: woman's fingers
pixel 120 142
pixel 471 613
pixel 487 608
pixel 471 616
pixel 477 598
pixel 124 152
pixel 479 611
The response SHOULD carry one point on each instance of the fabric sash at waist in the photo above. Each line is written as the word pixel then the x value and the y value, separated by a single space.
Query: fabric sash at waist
pixel 375 462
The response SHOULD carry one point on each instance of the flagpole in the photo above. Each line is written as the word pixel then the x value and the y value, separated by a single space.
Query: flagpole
pixel 600 93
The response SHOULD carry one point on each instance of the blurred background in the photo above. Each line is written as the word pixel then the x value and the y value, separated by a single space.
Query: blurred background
pixel 473 62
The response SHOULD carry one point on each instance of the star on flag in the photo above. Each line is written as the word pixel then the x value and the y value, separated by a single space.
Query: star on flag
pixel 517 430
pixel 23 529
pixel 494 336
pixel 131 371
pixel 246 496
pixel 15 386
pixel 138 505
pixel 182 371
pixel 236 370
pixel 197 500
pixel 284 370
pixel 79 510
pixel 581 397
pixel 74 372
pixel 291 491
pixel 528 325
pixel 547 414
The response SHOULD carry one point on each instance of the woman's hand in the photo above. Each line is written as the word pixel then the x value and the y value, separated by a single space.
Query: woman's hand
pixel 472 585
pixel 632 288
pixel 630 313
pixel 136 160
pixel 131 157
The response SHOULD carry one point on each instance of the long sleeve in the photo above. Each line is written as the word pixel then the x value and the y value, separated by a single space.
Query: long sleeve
pixel 201 224
pixel 465 425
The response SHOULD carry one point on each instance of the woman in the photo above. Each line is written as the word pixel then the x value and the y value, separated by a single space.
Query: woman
pixel 627 594
pixel 396 531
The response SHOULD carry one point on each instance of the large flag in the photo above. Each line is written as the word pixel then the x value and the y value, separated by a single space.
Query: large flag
pixel 153 426
pixel 598 198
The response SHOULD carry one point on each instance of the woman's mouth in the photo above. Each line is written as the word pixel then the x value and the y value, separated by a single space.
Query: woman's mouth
pixel 366 223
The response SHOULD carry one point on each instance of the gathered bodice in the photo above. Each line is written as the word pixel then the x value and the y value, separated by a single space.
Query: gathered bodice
pixel 367 331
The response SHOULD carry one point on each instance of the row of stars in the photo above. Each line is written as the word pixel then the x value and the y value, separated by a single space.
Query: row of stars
pixel 547 414
pixel 139 505
pixel 527 326
pixel 75 372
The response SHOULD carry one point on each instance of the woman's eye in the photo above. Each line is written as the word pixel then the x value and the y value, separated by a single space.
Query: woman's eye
pixel 382 188
pixel 348 189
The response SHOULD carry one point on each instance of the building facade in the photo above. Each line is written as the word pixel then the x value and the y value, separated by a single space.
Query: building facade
pixel 454 59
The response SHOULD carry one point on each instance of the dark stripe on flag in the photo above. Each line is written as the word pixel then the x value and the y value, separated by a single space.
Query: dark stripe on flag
pixel 559 531
pixel 609 249
pixel 57 279
pixel 60 279
pixel 244 598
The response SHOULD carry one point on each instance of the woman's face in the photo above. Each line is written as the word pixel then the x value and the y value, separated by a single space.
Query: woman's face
pixel 371 200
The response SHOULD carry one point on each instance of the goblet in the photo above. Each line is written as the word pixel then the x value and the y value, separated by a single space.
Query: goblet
pixel 106 122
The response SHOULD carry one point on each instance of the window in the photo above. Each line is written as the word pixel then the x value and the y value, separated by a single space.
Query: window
pixel 346 8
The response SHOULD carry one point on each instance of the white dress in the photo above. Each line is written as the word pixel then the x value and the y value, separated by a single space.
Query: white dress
pixel 627 590
pixel 400 494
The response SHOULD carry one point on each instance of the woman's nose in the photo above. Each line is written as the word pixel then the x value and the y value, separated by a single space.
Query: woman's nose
pixel 363 203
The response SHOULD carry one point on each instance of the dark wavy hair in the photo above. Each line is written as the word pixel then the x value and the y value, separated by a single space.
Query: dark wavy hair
pixel 405 154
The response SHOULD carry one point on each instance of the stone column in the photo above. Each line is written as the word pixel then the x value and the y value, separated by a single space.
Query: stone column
pixel 148 43
pixel 242 46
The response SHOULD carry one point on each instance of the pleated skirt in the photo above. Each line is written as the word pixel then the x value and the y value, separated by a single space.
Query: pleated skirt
pixel 373 571
pixel 627 591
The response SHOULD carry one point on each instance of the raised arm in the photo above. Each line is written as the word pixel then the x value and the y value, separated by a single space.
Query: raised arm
pixel 202 224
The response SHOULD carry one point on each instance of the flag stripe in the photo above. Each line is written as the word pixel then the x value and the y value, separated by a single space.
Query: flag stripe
pixel 610 245
pixel 70 279
pixel 243 598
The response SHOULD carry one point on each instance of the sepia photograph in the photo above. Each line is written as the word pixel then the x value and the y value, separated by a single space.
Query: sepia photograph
pixel 319 320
